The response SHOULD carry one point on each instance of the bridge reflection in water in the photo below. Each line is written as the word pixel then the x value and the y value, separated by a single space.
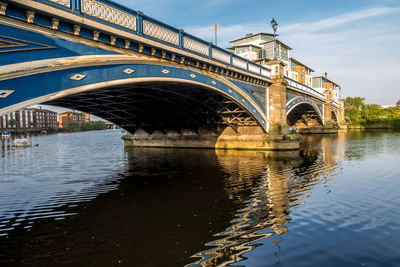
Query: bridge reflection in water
pixel 277 183
pixel 166 205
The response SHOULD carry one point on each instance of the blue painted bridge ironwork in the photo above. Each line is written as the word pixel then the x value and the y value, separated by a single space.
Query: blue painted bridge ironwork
pixel 119 64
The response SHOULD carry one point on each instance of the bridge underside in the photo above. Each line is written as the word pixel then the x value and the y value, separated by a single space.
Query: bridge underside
pixel 304 115
pixel 160 106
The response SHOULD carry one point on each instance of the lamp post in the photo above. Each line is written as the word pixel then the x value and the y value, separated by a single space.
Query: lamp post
pixel 215 28
pixel 274 25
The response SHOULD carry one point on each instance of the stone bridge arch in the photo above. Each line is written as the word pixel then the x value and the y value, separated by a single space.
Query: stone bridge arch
pixel 134 94
pixel 303 111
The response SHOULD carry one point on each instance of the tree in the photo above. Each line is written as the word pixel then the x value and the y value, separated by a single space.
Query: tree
pixel 99 125
pixel 13 122
pixel 73 126
pixel 398 103
pixel 354 107
pixel 373 112
pixel 354 102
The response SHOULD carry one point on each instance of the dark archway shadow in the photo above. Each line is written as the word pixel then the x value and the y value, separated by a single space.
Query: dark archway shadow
pixel 160 106
pixel 304 115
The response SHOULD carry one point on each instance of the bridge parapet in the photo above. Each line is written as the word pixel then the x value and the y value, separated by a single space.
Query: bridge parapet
pixel 111 23
pixel 335 103
pixel 304 89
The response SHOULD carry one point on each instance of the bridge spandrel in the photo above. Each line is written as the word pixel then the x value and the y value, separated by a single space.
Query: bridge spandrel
pixel 62 83
pixel 73 48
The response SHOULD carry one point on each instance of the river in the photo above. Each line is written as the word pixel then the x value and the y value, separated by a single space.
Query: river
pixel 83 200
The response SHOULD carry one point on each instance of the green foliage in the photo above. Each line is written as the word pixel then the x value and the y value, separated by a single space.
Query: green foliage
pixel 354 107
pixel 12 122
pixel 73 126
pixel 354 102
pixel 88 126
pixel 398 103
pixel 362 114
pixel 51 130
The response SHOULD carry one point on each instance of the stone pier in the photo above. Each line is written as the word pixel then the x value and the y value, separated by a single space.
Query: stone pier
pixel 244 138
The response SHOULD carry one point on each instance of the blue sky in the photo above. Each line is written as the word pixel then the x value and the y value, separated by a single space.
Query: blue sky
pixel 356 41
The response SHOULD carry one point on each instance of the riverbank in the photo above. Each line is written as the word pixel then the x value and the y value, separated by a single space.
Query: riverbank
pixel 378 124
pixel 72 128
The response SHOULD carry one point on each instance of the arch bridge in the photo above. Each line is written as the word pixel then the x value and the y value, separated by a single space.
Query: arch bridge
pixel 156 81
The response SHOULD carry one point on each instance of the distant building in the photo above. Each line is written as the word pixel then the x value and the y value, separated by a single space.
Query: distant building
pixel 259 48
pixel 388 106
pixel 299 72
pixel 250 46
pixel 87 116
pixel 72 116
pixel 30 118
pixel 324 85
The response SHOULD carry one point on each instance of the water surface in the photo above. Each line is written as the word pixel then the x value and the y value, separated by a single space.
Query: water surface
pixel 83 200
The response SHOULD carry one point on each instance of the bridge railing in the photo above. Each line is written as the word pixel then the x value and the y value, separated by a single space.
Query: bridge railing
pixel 305 88
pixel 138 23
pixel 335 103
pixel 196 45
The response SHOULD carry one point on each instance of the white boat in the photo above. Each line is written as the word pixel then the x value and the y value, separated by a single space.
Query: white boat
pixel 20 142
pixel 6 134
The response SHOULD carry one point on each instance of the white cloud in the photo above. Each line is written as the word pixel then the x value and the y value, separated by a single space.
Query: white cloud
pixel 339 20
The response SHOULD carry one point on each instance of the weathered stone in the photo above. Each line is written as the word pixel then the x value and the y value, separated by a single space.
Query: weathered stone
pixel 246 138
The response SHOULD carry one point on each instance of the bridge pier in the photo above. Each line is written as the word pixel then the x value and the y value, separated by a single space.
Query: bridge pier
pixel 244 138
pixel 328 111
pixel 341 116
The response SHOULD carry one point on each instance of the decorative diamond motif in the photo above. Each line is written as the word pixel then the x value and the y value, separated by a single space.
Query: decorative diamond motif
pixel 165 71
pixel 5 93
pixel 78 77
pixel 192 75
pixel 213 82
pixel 254 110
pixel 243 100
pixel 129 71
pixel 230 91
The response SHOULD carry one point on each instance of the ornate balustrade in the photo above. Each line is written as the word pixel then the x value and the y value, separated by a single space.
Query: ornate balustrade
pixel 66 3
pixel 145 26
pixel 335 103
pixel 303 88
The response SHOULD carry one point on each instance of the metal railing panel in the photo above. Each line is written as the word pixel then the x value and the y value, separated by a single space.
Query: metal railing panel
pixel 255 68
pixel 241 63
pixel 196 46
pixel 221 56
pixel 158 32
pixel 104 12
pixel 66 3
